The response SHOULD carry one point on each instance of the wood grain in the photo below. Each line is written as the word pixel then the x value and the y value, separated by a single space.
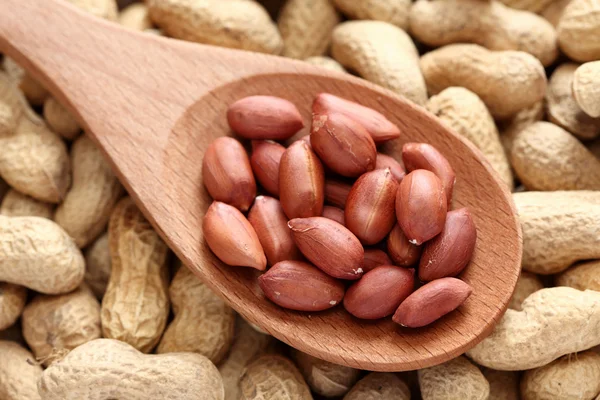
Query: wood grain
pixel 154 104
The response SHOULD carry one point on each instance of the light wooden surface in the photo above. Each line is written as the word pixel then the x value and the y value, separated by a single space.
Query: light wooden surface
pixel 154 105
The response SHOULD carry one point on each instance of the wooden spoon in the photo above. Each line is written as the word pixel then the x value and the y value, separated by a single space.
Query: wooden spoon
pixel 153 105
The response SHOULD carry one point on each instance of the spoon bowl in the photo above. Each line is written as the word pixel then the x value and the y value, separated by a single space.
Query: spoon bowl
pixel 153 105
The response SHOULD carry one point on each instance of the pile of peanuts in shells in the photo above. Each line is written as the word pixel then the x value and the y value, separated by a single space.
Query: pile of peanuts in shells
pixel 83 316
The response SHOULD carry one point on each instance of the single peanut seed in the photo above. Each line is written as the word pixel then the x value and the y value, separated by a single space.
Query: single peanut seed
pixel 342 144
pixel 374 258
pixel 265 159
pixel 334 213
pixel 384 161
pixel 448 253
pixel 425 156
pixel 231 237
pixel 329 245
pixel 270 223
pixel 300 286
pixel 301 182
pixel 336 192
pixel 378 126
pixel 227 174
pixel 264 117
pixel 432 301
pixel 421 206
pixel 370 208
pixel 401 251
pixel 379 292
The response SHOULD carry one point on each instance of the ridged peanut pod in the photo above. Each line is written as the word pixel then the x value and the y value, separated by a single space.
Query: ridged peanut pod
pixel 487 23
pixel 55 324
pixel 325 378
pixel 379 385
pixel 240 24
pixel 579 29
pixel 116 370
pixel 12 302
pixel 527 284
pixel 18 373
pixel 563 316
pixel 554 11
pixel 135 16
pixel 506 81
pixel 273 377
pixel 248 345
pixel 306 26
pixel 381 53
pixel 393 11
pixel 38 254
pixel 455 379
pixel 135 306
pixel 574 376
pixel 33 159
pixel 582 276
pixel 563 110
pixel 465 113
pixel 100 8
pixel 60 120
pixel 546 157
pixel 15 204
pixel 504 385
pixel 33 91
pixel 521 120
pixel 325 62
pixel 543 214
pixel 86 209
pixel 586 88
pixel 535 6
pixel 203 323
pixel 97 265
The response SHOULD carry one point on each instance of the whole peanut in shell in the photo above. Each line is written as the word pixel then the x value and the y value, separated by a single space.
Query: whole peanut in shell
pixel 15 204
pixel 582 276
pixel 273 377
pixel 379 385
pixel 18 373
pixel 12 301
pixel 454 379
pixel 227 174
pixel 98 265
pixel 527 284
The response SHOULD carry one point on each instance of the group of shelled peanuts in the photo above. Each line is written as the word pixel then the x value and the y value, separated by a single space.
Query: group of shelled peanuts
pixel 88 286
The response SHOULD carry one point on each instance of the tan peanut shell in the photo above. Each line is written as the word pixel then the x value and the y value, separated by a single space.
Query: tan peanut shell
pixel 535 6
pixel 241 24
pixel 86 208
pixel 554 11
pixel 510 127
pixel 135 306
pixel 520 340
pixel 465 113
pixel 39 254
pixel 381 53
pixel 546 157
pixel 379 386
pixel 543 214
pixel 60 120
pixel 575 376
pixel 487 23
pixel 53 324
pixel 586 88
pixel 135 16
pixel 19 373
pixel 578 30
pixel 33 160
pixel 527 284
pixel 494 76
pixel 97 265
pixel 273 377
pixel 33 91
pixel 12 302
pixel 455 379
pixel 393 11
pixel 504 385
pixel 15 204
pixel 203 323
pixel 100 8
pixel 248 344
pixel 306 26
pixel 325 378
pixel 582 276
pixel 325 62
pixel 563 110
pixel 116 370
